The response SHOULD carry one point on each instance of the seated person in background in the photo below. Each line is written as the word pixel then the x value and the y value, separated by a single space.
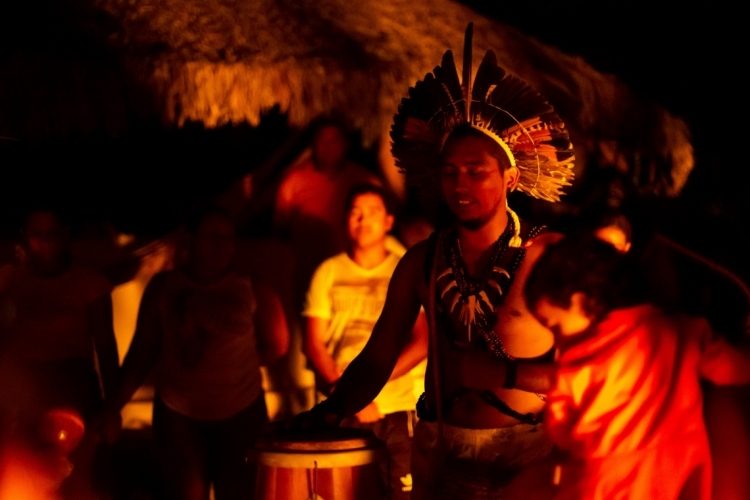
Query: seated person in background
pixel 310 201
pixel 344 301
pixel 54 311
pixel 626 408
pixel 206 331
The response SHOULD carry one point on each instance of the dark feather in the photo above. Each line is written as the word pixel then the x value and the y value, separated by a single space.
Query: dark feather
pixel 466 74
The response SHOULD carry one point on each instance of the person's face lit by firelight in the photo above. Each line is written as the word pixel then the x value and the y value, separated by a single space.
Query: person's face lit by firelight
pixel 330 146
pixel 368 221
pixel 473 183
pixel 214 244
pixel 615 237
pixel 45 239
pixel 564 321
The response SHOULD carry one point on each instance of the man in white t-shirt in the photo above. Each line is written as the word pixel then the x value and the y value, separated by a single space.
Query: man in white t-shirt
pixel 344 301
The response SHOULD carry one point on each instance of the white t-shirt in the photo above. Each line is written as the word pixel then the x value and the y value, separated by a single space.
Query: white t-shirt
pixel 352 298
pixel 209 367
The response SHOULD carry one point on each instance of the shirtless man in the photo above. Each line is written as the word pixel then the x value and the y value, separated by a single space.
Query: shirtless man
pixel 475 180
pixel 489 360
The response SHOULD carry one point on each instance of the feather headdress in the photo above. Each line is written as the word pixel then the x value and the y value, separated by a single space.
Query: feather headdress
pixel 501 105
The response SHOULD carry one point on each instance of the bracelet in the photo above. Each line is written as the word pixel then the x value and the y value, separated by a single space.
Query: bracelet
pixel 511 375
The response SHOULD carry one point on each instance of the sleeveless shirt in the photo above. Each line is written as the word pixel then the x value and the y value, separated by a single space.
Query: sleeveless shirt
pixel 209 367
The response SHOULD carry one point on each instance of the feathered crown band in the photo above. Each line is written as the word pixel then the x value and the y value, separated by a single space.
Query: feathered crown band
pixel 501 105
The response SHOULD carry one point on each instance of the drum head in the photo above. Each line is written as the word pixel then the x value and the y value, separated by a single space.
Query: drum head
pixel 330 439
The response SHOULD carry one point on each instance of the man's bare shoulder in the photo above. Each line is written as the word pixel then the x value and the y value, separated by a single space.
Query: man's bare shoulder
pixel 415 256
pixel 411 267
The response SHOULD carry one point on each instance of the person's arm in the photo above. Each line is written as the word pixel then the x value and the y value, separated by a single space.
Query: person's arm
pixel 315 349
pixel 283 207
pixel 535 377
pixel 146 345
pixel 415 351
pixel 318 311
pixel 103 333
pixel 482 370
pixel 368 373
pixel 272 333
pixel 141 357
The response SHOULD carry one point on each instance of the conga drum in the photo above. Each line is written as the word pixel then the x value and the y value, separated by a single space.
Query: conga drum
pixel 335 464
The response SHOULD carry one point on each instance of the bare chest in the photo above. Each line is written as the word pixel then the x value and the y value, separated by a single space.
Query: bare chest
pixel 489 314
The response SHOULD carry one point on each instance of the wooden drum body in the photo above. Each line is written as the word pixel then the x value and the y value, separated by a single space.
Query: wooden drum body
pixel 336 464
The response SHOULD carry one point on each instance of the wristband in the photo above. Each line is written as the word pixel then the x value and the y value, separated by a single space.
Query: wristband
pixel 511 375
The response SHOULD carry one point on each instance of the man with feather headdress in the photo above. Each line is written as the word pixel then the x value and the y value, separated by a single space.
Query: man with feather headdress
pixel 489 359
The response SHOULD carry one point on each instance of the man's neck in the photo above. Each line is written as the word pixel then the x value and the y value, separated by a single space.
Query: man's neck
pixel 476 243
pixel 368 258
pixel 482 238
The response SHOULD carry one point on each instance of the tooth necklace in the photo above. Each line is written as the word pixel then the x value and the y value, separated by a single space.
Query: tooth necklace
pixel 471 303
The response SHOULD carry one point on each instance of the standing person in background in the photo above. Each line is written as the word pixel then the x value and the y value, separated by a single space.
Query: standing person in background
pixel 58 323
pixel 344 301
pixel 310 202
pixel 206 331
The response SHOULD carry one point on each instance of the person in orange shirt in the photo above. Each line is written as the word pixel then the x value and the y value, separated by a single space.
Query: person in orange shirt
pixel 626 408
pixel 308 211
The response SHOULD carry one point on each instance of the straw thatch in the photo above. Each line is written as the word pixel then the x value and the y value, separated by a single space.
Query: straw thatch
pixel 228 61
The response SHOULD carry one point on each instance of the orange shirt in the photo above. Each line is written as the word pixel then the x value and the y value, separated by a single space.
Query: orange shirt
pixel 627 405
pixel 310 204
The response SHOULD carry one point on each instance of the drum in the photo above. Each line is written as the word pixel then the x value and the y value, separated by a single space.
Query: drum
pixel 335 464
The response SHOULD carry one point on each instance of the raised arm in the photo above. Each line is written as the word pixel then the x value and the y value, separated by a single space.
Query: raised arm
pixel 141 357
pixel 146 344
pixel 368 373
pixel 103 333
pixel 272 333
pixel 284 207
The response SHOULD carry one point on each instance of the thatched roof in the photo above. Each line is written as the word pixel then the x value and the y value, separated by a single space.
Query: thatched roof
pixel 227 61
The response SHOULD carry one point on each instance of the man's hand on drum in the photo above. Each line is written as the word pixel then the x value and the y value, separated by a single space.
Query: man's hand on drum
pixel 320 416
pixel 369 414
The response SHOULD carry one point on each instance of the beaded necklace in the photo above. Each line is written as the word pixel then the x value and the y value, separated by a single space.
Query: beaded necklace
pixel 471 303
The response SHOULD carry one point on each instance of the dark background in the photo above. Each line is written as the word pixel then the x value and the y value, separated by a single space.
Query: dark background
pixel 689 56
